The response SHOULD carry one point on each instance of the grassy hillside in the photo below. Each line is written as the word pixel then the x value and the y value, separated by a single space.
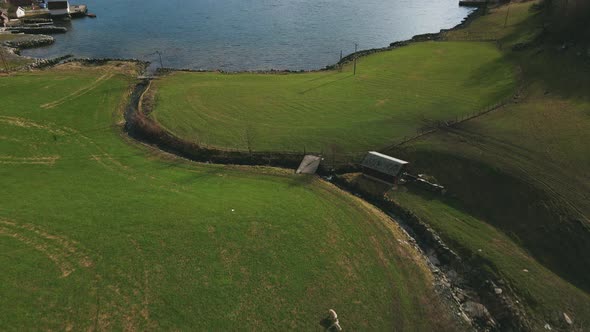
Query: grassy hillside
pixel 543 294
pixel 393 95
pixel 100 233
pixel 522 171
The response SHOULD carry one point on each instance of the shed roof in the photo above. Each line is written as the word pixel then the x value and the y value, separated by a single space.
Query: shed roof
pixel 383 163
pixel 309 165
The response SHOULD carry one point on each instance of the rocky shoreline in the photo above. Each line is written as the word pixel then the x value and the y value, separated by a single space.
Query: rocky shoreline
pixel 23 41
pixel 11 50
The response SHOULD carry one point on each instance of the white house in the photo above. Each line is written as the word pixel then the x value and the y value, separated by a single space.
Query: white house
pixel 28 12
pixel 58 7
pixel 20 12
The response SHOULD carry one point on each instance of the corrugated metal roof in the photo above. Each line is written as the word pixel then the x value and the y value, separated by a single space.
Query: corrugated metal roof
pixel 309 165
pixel 383 163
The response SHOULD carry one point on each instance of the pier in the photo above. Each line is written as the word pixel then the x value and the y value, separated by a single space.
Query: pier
pixel 37 30
pixel 78 10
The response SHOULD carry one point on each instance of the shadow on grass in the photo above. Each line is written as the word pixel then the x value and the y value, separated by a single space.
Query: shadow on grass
pixel 325 323
pixel 325 84
pixel 531 217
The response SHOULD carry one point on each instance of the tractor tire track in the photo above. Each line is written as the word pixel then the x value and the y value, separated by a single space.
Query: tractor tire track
pixel 121 300
pixel 78 93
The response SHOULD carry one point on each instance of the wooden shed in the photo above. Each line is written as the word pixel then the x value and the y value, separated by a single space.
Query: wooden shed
pixel 383 167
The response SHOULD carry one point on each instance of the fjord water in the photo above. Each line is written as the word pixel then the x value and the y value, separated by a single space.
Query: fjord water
pixel 234 35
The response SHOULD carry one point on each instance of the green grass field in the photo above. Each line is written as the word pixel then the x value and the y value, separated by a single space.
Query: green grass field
pixel 518 177
pixel 98 232
pixel 392 96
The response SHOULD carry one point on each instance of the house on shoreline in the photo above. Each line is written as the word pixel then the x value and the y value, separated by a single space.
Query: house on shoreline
pixel 46 8
pixel 29 12
pixel 58 7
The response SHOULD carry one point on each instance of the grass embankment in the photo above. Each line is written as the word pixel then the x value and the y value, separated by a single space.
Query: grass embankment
pixel 520 176
pixel 394 94
pixel 100 233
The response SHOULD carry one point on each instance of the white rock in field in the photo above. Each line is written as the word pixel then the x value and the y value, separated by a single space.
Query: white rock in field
pixel 525 270
pixel 547 327
pixel 498 291
pixel 465 318
pixel 332 314
pixel 567 319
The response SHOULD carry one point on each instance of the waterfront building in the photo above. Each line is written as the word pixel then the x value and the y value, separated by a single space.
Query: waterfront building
pixel 58 7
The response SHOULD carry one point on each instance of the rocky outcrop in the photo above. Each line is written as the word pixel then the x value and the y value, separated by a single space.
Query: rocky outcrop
pixel 38 30
pixel 29 41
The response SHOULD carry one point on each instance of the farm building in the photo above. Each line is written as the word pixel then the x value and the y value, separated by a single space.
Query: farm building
pixel 58 7
pixel 26 12
pixel 383 167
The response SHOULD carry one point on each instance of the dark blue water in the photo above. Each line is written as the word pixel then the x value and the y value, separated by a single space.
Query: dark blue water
pixel 247 34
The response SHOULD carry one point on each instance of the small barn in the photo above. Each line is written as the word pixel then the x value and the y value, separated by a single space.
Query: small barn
pixel 58 7
pixel 383 167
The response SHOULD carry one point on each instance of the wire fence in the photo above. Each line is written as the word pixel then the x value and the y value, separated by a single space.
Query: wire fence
pixel 459 119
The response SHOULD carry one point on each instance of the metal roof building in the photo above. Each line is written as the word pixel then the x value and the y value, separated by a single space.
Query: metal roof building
pixel 383 167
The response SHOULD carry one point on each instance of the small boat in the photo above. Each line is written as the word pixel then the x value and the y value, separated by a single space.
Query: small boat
pixel 91 15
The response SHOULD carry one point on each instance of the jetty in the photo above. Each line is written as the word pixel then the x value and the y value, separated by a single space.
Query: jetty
pixel 37 30
pixel 78 10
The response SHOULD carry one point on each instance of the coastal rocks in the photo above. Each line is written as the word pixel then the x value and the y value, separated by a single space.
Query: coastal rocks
pixel 45 63
pixel 38 30
pixel 427 37
pixel 399 44
pixel 103 61
pixel 480 313
pixel 29 41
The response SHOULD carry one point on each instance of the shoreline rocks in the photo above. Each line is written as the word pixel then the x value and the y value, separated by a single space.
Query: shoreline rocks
pixel 24 41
